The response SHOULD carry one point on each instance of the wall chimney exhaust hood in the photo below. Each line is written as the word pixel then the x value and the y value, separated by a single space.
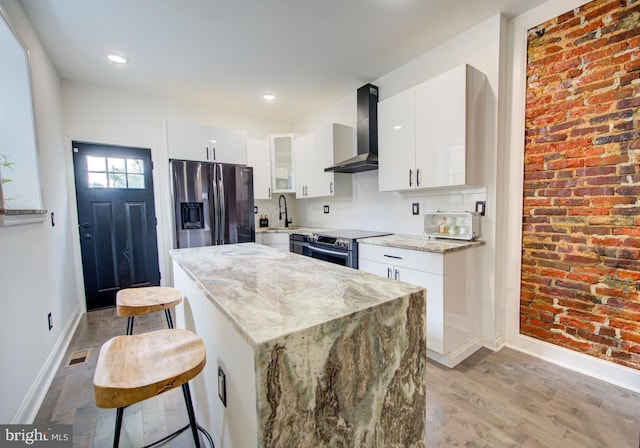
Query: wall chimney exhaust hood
pixel 367 134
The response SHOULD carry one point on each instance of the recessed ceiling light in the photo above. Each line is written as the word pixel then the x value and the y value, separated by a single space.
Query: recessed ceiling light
pixel 117 59
pixel 269 97
pixel 397 127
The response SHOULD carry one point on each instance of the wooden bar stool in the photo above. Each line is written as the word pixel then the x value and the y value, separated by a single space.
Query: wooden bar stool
pixel 133 368
pixel 133 302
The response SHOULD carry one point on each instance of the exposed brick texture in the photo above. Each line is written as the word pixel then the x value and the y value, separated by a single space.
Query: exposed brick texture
pixel 581 214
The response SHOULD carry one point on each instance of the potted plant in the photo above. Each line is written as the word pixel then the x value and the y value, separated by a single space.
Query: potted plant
pixel 4 163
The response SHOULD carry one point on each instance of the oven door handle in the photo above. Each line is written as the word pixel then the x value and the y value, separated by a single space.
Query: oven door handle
pixel 328 252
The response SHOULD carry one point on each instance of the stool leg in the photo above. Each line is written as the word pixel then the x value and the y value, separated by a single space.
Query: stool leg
pixel 167 313
pixel 130 325
pixel 192 416
pixel 116 437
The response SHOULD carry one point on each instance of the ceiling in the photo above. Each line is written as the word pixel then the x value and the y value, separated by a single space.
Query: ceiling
pixel 228 53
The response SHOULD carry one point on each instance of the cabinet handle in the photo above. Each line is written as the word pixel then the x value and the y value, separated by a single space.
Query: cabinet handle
pixel 393 256
pixel 269 191
pixel 388 272
pixel 411 178
pixel 214 153
pixel 397 275
pixel 417 178
pixel 331 187
pixel 207 148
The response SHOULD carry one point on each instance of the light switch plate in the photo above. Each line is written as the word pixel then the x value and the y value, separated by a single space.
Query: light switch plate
pixel 326 209
pixel 415 208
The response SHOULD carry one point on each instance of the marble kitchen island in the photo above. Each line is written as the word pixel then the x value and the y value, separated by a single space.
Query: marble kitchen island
pixel 313 354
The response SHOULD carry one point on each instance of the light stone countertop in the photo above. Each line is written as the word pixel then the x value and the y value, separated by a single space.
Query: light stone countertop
pixel 421 243
pixel 268 294
pixel 289 230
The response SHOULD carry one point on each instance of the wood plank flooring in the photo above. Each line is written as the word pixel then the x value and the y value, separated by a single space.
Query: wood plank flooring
pixel 491 400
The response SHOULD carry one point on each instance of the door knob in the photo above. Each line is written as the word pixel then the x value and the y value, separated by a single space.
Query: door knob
pixel 86 225
pixel 88 236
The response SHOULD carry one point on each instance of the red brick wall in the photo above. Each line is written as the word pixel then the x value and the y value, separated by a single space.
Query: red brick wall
pixel 581 215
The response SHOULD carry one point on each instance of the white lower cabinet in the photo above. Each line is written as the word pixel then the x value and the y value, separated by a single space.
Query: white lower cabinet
pixel 277 240
pixel 454 327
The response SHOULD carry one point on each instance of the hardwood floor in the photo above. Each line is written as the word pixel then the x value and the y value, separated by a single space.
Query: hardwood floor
pixel 504 399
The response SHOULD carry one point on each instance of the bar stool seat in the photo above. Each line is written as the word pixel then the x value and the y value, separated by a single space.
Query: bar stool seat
pixel 133 368
pixel 131 302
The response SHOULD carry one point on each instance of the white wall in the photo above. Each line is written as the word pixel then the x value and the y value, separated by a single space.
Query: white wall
pixel 37 274
pixel 369 209
pixel 100 115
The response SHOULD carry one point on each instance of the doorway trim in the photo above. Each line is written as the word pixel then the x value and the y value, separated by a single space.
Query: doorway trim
pixel 161 199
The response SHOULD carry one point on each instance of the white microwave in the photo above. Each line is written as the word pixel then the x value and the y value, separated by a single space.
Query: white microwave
pixel 452 225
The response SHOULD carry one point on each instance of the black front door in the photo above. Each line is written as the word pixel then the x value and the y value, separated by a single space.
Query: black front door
pixel 116 217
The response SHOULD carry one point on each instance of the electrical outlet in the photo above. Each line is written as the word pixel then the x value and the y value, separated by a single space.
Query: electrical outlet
pixel 50 321
pixel 415 208
pixel 326 209
pixel 222 386
pixel 481 207
pixel 255 209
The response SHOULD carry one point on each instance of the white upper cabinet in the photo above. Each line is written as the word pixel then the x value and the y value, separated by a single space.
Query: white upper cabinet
pixel 259 158
pixel 282 163
pixel 317 151
pixel 189 141
pixel 447 133
pixel 397 142
pixel 305 151
pixel 441 137
pixel 228 145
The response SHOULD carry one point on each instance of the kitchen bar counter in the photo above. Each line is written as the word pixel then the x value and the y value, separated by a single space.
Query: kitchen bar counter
pixel 422 243
pixel 313 354
pixel 268 294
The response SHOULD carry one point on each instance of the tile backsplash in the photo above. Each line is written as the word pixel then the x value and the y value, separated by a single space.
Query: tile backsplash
pixel 270 208
pixel 369 209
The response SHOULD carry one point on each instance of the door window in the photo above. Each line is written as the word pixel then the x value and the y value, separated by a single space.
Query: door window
pixel 115 172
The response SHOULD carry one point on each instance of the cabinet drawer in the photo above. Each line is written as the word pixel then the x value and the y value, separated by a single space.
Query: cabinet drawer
pixel 271 238
pixel 418 260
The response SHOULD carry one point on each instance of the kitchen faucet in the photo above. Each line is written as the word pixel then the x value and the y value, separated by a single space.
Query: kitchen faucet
pixel 287 220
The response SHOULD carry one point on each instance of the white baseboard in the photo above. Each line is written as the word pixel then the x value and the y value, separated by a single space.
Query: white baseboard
pixel 579 362
pixel 38 390
pixel 494 344
pixel 452 359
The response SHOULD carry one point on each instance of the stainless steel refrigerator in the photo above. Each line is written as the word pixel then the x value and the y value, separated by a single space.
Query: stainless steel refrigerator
pixel 213 203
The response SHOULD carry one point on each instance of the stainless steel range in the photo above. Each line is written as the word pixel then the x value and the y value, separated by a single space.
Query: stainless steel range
pixel 339 246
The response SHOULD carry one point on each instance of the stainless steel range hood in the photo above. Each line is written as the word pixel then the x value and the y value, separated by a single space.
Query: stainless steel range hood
pixel 367 134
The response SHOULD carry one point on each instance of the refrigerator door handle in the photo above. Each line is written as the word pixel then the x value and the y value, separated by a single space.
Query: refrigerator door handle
pixel 222 206
pixel 213 192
